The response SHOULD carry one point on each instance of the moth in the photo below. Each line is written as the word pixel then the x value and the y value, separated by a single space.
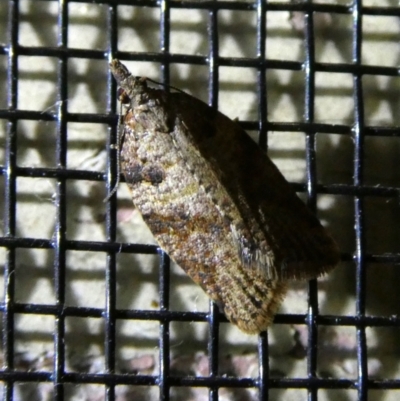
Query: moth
pixel 216 203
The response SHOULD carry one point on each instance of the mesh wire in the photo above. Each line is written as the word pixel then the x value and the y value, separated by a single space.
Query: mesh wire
pixel 91 307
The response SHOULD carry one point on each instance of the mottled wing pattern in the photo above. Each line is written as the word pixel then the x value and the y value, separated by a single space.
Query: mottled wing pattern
pixel 277 233
pixel 216 204
pixel 188 226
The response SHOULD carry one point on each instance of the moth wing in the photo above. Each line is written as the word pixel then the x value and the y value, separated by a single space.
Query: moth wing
pixel 189 227
pixel 276 233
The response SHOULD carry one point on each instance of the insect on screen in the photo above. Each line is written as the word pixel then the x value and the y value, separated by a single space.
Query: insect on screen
pixel 91 307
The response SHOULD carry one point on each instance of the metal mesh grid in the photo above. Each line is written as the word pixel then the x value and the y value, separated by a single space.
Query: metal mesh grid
pixel 359 190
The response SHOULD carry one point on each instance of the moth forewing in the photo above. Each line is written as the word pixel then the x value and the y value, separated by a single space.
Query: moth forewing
pixel 274 225
pixel 216 204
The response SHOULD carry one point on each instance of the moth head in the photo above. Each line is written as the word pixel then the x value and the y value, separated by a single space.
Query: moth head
pixel 123 96
pixel 119 71
pixel 129 86
pixel 138 85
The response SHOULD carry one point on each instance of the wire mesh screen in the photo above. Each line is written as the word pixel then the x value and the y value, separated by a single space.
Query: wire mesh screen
pixel 91 308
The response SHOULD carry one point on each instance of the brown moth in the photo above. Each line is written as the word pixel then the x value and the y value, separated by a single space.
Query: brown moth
pixel 216 203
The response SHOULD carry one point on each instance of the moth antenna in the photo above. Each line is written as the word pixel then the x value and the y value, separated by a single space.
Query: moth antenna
pixel 166 85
